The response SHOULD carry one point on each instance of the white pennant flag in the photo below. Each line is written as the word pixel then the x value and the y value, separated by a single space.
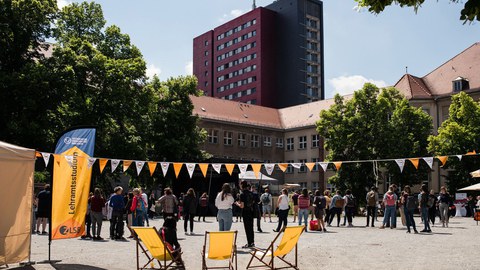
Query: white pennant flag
pixel 429 161
pixel 164 166
pixel 400 163
pixel 217 167
pixel 324 165
pixel 69 160
pixel 91 160
pixel 139 166
pixel 190 168
pixel 115 163
pixel 296 165
pixel 242 168
pixel 46 158
pixel 269 167
pixel 459 157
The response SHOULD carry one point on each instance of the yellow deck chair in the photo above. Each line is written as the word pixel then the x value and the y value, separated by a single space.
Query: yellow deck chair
pixel 289 241
pixel 221 246
pixel 148 239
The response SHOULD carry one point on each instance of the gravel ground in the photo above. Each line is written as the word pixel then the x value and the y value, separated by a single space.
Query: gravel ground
pixel 456 247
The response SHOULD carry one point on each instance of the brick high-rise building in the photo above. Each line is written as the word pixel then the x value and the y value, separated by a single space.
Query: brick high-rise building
pixel 271 56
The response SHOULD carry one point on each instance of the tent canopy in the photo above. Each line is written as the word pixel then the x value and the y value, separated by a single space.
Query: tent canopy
pixel 250 176
pixel 475 173
pixel 472 187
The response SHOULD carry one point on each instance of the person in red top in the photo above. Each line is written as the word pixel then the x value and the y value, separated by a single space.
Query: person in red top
pixel 303 207
pixel 203 201
pixel 97 202
pixel 138 208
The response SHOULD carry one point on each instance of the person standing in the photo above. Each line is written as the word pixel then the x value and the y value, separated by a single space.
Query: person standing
pixel 295 204
pixel 203 206
pixel 283 208
pixel 410 203
pixel 138 208
pixel 129 212
pixel 328 198
pixel 116 222
pixel 372 199
pixel 97 202
pixel 444 200
pixel 303 207
pixel 432 207
pixel 390 202
pixel 151 206
pixel 423 198
pixel 145 203
pixel 189 210
pixel 88 220
pixel 266 200
pixel 246 203
pixel 44 208
pixel 350 207
pixel 224 202
pixel 169 204
pixel 320 202
pixel 336 208
pixel 256 208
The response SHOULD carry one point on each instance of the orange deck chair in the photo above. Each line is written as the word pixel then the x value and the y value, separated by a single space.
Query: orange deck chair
pixel 221 246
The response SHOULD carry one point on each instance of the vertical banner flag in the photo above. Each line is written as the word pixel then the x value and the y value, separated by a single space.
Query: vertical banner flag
pixel 429 161
pixel 151 167
pixel 400 163
pixel 414 161
pixel 71 183
pixel 203 168
pixel 164 166
pixel 242 168
pixel 256 168
pixel 139 165
pixel 324 165
pixel 217 167
pixel 269 167
pixel 190 168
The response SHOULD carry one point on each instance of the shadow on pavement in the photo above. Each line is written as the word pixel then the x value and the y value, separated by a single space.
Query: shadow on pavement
pixel 76 267
pixel 28 267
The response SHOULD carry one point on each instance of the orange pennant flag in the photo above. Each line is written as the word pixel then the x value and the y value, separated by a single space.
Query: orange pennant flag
pixel 203 168
pixel 310 165
pixel 256 168
pixel 471 153
pixel 283 166
pixel 57 157
pixel 177 167
pixel 230 168
pixel 38 154
pixel 102 162
pixel 126 164
pixel 337 164
pixel 151 167
pixel 443 160
pixel 414 162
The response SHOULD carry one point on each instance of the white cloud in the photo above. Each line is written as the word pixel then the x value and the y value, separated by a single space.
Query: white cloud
pixel 345 85
pixel 233 14
pixel 189 68
pixel 62 3
pixel 152 70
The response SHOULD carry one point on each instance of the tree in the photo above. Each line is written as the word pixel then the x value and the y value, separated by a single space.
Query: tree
pixel 459 134
pixel 470 11
pixel 374 125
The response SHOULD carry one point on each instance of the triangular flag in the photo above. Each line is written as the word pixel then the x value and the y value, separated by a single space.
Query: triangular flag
pixel 324 165
pixel 102 162
pixel 177 167
pixel 400 163
pixel 91 161
pixel 414 161
pixel 296 165
pixel 429 161
pixel 139 165
pixel 217 167
pixel 471 153
pixel 38 154
pixel 269 168
pixel 230 168
pixel 443 159
pixel 69 160
pixel 337 164
pixel 46 158
pixel 310 165
pixel 256 168
pixel 459 157
pixel 57 157
pixel 164 166
pixel 115 163
pixel 151 167
pixel 283 166
pixel 203 168
pixel 126 164
pixel 190 168
pixel 242 168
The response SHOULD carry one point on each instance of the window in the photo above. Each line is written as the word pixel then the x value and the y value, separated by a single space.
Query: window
pixel 302 142
pixel 254 141
pixel 279 143
pixel 303 168
pixel 290 143
pixel 267 141
pixel 206 42
pixel 213 136
pixel 206 73
pixel 303 184
pixel 242 139
pixel 206 63
pixel 205 83
pixel 315 168
pixel 206 53
pixel 289 167
pixel 315 141
pixel 227 137
pixel 314 185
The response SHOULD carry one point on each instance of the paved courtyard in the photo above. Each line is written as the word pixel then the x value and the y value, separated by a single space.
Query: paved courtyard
pixel 456 247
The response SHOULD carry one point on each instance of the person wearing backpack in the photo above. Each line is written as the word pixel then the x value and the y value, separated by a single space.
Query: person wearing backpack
pixel 350 207
pixel 203 206
pixel 336 208
pixel 390 201
pixel 320 202
pixel 266 200
pixel 410 203
pixel 189 209
pixel 303 207
pixel 246 203
pixel 137 208
pixel 423 198
pixel 372 199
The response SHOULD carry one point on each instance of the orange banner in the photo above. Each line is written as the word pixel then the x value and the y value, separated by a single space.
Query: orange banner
pixel 230 168
pixel 443 159
pixel 256 168
pixel 102 163
pixel 283 166
pixel 337 165
pixel 414 161
pixel 203 168
pixel 177 167
pixel 151 167
pixel 310 165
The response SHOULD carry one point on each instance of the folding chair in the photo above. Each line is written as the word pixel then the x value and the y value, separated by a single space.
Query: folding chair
pixel 154 249
pixel 221 246
pixel 289 241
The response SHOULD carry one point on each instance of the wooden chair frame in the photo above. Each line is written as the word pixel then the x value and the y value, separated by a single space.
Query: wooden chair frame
pixel 232 262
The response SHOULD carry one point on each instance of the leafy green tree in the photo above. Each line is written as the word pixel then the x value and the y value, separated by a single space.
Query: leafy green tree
pixel 470 11
pixel 459 134
pixel 374 125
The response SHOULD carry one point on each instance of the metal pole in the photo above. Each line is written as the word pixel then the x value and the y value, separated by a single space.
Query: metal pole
pixel 210 182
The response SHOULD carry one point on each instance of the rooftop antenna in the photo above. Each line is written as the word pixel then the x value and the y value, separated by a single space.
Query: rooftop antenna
pixel 254 6
pixel 406 70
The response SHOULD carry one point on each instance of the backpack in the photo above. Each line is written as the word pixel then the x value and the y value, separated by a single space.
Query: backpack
pixel 412 202
pixel 203 201
pixel 351 201
pixel 390 199
pixel 430 201
pixel 371 199
pixel 303 202
pixel 140 204
pixel 321 202
pixel 266 199
pixel 339 203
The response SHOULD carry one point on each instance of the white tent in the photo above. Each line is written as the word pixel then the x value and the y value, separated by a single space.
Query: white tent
pixel 475 173
pixel 472 187
pixel 17 165
pixel 250 176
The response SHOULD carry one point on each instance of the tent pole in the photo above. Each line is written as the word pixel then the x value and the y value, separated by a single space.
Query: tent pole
pixel 210 182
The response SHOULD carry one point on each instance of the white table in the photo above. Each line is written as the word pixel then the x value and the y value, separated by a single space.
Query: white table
pixel 460 210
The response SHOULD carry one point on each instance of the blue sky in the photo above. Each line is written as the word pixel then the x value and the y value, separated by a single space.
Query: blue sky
pixel 359 46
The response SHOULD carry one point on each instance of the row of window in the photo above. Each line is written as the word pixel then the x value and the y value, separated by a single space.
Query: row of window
pixel 237 73
pixel 302 142
pixel 236 29
pixel 236 40
pixel 236 84
pixel 237 61
pixel 236 51
pixel 302 168
pixel 240 94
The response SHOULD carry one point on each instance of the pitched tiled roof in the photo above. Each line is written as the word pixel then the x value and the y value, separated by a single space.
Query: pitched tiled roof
pixel 413 87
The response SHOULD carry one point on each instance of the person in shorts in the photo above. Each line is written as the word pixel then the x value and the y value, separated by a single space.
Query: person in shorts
pixel 266 200
pixel 320 203
pixel 295 204
pixel 44 208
